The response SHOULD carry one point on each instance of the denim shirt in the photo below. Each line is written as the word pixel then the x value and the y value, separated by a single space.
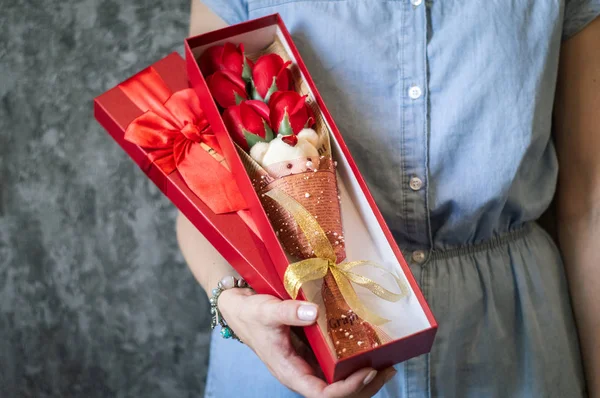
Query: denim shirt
pixel 446 105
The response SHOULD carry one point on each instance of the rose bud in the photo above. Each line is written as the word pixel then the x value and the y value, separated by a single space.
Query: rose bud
pixel 271 74
pixel 290 113
pixel 248 123
pixel 226 57
pixel 227 88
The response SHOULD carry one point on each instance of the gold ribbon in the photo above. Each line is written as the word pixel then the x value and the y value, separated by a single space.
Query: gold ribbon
pixel 312 269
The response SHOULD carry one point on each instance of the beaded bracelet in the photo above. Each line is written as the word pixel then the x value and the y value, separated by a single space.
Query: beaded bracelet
pixel 228 282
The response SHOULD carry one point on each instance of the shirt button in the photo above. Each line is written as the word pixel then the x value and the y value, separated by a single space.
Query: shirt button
pixel 418 256
pixel 416 183
pixel 414 92
pixel 416 3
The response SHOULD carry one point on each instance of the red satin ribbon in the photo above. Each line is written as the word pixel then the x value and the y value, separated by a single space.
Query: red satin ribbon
pixel 173 127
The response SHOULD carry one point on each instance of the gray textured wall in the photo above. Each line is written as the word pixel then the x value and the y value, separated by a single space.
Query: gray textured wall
pixel 95 300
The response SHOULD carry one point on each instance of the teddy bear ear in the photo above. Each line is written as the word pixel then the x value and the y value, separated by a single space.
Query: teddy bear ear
pixel 258 151
pixel 310 135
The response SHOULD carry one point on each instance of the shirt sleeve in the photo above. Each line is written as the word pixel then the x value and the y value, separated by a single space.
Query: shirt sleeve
pixel 578 13
pixel 232 11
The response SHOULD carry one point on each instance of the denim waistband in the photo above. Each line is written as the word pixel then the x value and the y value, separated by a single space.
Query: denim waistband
pixel 490 244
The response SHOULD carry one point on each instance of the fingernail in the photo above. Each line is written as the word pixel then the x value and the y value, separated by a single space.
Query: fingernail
pixel 370 377
pixel 390 376
pixel 307 312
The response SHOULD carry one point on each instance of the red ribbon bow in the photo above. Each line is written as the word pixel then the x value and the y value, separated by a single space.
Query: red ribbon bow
pixel 175 130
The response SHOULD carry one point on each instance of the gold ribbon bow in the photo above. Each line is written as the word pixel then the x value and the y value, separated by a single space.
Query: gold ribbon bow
pixel 316 268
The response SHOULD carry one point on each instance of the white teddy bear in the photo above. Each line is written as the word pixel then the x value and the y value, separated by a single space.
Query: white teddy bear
pixel 276 151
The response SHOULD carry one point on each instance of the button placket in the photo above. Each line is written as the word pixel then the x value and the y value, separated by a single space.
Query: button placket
pixel 416 231
pixel 415 228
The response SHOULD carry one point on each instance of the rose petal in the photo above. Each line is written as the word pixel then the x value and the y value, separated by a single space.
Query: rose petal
pixel 223 86
pixel 300 105
pixel 265 70
pixel 232 59
pixel 298 121
pixel 251 120
pixel 279 102
pixel 233 121
pixel 210 60
pixel 259 107
pixel 296 106
pixel 284 79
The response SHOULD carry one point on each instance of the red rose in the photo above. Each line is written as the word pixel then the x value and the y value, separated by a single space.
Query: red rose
pixel 248 123
pixel 271 74
pixel 290 113
pixel 227 88
pixel 226 57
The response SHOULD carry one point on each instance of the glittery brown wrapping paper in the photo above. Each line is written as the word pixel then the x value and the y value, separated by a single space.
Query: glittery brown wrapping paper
pixel 349 333
pixel 317 192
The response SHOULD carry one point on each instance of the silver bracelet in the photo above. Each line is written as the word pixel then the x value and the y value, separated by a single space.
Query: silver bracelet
pixel 228 282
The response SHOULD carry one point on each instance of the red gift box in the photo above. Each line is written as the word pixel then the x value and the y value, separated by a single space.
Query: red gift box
pixel 228 233
pixel 360 215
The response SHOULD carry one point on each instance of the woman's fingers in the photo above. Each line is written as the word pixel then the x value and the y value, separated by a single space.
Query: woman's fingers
pixel 304 350
pixel 362 384
pixel 266 321
pixel 377 383
pixel 288 312
pixel 294 372
pixel 351 385
pixel 263 322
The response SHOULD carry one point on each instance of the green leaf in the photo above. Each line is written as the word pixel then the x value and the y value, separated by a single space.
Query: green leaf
pixel 285 128
pixel 238 98
pixel 246 72
pixel 268 132
pixel 251 139
pixel 272 89
pixel 254 93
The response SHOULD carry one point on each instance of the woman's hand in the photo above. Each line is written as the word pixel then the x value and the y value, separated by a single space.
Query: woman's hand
pixel 263 323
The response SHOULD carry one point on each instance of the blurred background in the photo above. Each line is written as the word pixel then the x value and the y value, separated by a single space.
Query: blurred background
pixel 95 299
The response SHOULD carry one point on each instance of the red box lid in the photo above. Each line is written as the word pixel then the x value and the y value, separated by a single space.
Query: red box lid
pixel 228 233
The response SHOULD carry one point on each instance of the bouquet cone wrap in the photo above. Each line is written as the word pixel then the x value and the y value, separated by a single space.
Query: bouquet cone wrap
pixel 316 190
